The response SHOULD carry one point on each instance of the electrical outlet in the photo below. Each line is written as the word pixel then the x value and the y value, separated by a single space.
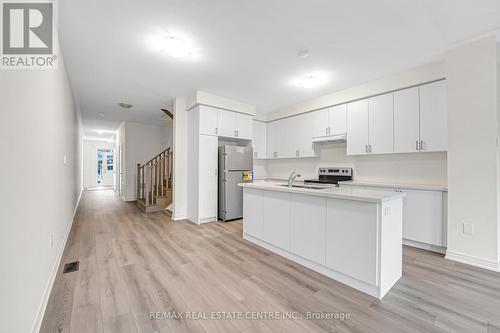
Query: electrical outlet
pixel 468 229
pixel 51 240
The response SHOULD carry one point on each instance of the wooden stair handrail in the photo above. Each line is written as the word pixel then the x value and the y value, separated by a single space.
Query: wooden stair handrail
pixel 154 177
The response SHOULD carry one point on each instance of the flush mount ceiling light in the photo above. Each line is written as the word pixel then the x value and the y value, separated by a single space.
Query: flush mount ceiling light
pixel 309 81
pixel 176 47
pixel 125 105
pixel 101 114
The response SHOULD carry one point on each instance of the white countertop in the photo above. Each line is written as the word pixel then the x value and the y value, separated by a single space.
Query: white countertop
pixel 347 193
pixel 424 187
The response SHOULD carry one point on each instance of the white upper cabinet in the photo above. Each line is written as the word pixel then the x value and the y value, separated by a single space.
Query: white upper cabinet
pixel 357 127
pixel 320 123
pixel 274 137
pixel 291 137
pixel 244 126
pixel 406 121
pixel 330 121
pixel 208 120
pixel 337 119
pixel 302 138
pixel 259 140
pixel 433 127
pixel 380 124
pixel 226 123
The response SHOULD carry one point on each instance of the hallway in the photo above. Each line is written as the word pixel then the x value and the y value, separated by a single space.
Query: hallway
pixel 132 264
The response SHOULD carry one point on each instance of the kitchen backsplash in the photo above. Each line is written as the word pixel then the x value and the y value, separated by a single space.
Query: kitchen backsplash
pixel 417 168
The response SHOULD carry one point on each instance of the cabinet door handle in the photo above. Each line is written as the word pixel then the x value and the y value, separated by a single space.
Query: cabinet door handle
pixel 417 146
pixel 366 149
pixel 370 148
pixel 422 147
pixel 216 131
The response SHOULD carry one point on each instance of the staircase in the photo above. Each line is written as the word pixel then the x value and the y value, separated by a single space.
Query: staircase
pixel 154 182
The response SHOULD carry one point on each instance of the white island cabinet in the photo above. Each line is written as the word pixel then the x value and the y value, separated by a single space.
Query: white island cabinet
pixel 351 235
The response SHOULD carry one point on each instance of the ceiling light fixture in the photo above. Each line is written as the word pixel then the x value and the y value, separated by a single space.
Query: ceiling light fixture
pixel 125 105
pixel 101 114
pixel 310 81
pixel 176 47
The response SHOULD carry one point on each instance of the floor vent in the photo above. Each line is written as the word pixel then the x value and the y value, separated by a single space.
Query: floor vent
pixel 71 267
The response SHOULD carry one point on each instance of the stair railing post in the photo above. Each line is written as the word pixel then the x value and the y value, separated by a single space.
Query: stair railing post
pixel 150 190
pixel 138 193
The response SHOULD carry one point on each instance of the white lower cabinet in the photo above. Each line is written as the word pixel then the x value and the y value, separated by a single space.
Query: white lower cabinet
pixel 276 212
pixel 253 206
pixel 308 227
pixel 424 215
pixel 351 230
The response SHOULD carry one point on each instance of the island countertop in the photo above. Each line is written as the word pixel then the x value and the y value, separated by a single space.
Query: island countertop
pixel 328 191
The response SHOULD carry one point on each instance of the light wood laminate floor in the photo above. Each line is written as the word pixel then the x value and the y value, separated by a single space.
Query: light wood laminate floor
pixel 132 264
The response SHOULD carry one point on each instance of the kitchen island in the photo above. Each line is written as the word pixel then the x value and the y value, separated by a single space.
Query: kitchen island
pixel 351 235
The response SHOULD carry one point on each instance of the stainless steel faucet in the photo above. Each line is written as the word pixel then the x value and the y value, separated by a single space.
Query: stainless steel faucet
pixel 292 177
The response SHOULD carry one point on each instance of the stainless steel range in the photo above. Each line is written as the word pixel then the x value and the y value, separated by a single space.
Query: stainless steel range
pixel 331 176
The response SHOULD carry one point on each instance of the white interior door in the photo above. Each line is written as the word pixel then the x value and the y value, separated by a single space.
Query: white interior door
pixel 381 124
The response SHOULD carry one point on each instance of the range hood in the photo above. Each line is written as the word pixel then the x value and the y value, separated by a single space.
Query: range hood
pixel 339 138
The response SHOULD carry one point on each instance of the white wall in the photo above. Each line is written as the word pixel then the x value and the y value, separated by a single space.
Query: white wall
pixel 141 143
pixel 423 168
pixel 180 175
pixel 472 145
pixel 90 160
pixel 39 193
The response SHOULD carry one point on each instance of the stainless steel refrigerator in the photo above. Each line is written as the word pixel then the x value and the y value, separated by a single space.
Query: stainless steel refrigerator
pixel 235 166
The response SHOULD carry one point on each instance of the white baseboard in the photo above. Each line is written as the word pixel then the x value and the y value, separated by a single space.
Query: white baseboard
pixel 424 246
pixel 50 283
pixel 473 260
pixel 178 217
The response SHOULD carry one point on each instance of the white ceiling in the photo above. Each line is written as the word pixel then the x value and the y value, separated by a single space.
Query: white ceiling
pixel 247 50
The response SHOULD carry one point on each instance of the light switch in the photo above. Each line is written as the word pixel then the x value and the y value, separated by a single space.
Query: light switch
pixel 468 229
